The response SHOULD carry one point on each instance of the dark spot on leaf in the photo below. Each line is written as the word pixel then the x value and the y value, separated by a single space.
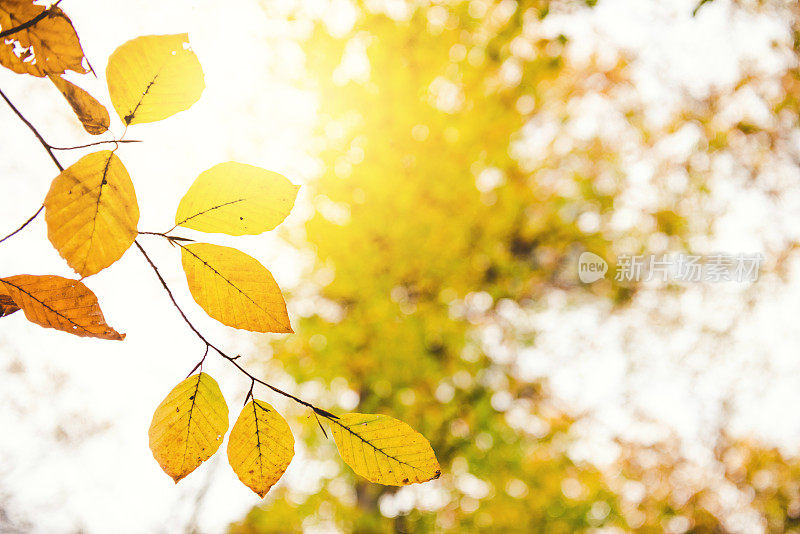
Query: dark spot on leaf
pixel 437 475
pixel 405 481
pixel 177 409
pixel 191 398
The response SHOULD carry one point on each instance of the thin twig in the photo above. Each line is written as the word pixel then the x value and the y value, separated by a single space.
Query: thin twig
pixel 231 359
pixel 28 24
pixel 93 144
pixel 44 143
pixel 46 147
pixel 26 223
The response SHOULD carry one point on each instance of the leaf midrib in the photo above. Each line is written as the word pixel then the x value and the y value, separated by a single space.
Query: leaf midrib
pixel 382 451
pixel 48 307
pixel 201 260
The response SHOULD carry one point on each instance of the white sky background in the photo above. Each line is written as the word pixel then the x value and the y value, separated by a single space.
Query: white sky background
pixel 75 412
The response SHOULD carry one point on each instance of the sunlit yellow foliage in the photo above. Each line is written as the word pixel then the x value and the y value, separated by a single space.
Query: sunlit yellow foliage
pixel 92 114
pixel 234 288
pixel 260 446
pixel 384 450
pixel 48 47
pixel 56 302
pixel 153 77
pixel 426 225
pixel 236 199
pixel 92 213
pixel 188 425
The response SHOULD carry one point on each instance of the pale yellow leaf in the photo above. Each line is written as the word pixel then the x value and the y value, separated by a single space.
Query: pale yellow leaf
pixel 236 199
pixel 384 450
pixel 234 288
pixel 188 425
pixel 92 114
pixel 260 446
pixel 50 46
pixel 60 303
pixel 153 77
pixel 91 212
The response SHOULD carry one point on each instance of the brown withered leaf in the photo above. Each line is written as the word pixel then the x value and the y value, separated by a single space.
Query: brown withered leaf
pixel 55 302
pixel 50 46
pixel 92 114
pixel 7 305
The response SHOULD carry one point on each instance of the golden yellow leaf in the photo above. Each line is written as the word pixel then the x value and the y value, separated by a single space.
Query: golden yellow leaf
pixel 153 77
pixel 384 450
pixel 60 303
pixel 236 199
pixel 234 288
pixel 260 446
pixel 7 304
pixel 92 114
pixel 91 212
pixel 50 46
pixel 188 425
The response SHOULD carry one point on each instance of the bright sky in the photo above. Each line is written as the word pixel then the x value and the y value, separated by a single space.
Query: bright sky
pixel 76 411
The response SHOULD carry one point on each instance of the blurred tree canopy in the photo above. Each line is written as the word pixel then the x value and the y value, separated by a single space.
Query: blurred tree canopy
pixel 460 184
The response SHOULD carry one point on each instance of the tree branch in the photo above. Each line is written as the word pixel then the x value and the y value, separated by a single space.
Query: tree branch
pixel 171 239
pixel 49 148
pixel 231 359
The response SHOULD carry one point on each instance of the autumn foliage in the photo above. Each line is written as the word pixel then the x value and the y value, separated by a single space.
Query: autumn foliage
pixel 92 216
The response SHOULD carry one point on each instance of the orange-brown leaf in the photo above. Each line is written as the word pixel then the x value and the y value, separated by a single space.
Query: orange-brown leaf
pixel 60 303
pixel 50 46
pixel 7 304
pixel 92 114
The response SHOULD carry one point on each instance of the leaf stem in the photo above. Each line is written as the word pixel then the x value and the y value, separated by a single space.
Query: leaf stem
pixel 169 237
pixel 210 345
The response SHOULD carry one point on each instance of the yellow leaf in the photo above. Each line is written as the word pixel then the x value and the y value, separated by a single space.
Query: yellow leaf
pixel 188 425
pixel 236 199
pixel 260 446
pixel 60 303
pixel 384 450
pixel 91 212
pixel 7 304
pixel 50 46
pixel 234 288
pixel 90 112
pixel 153 77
